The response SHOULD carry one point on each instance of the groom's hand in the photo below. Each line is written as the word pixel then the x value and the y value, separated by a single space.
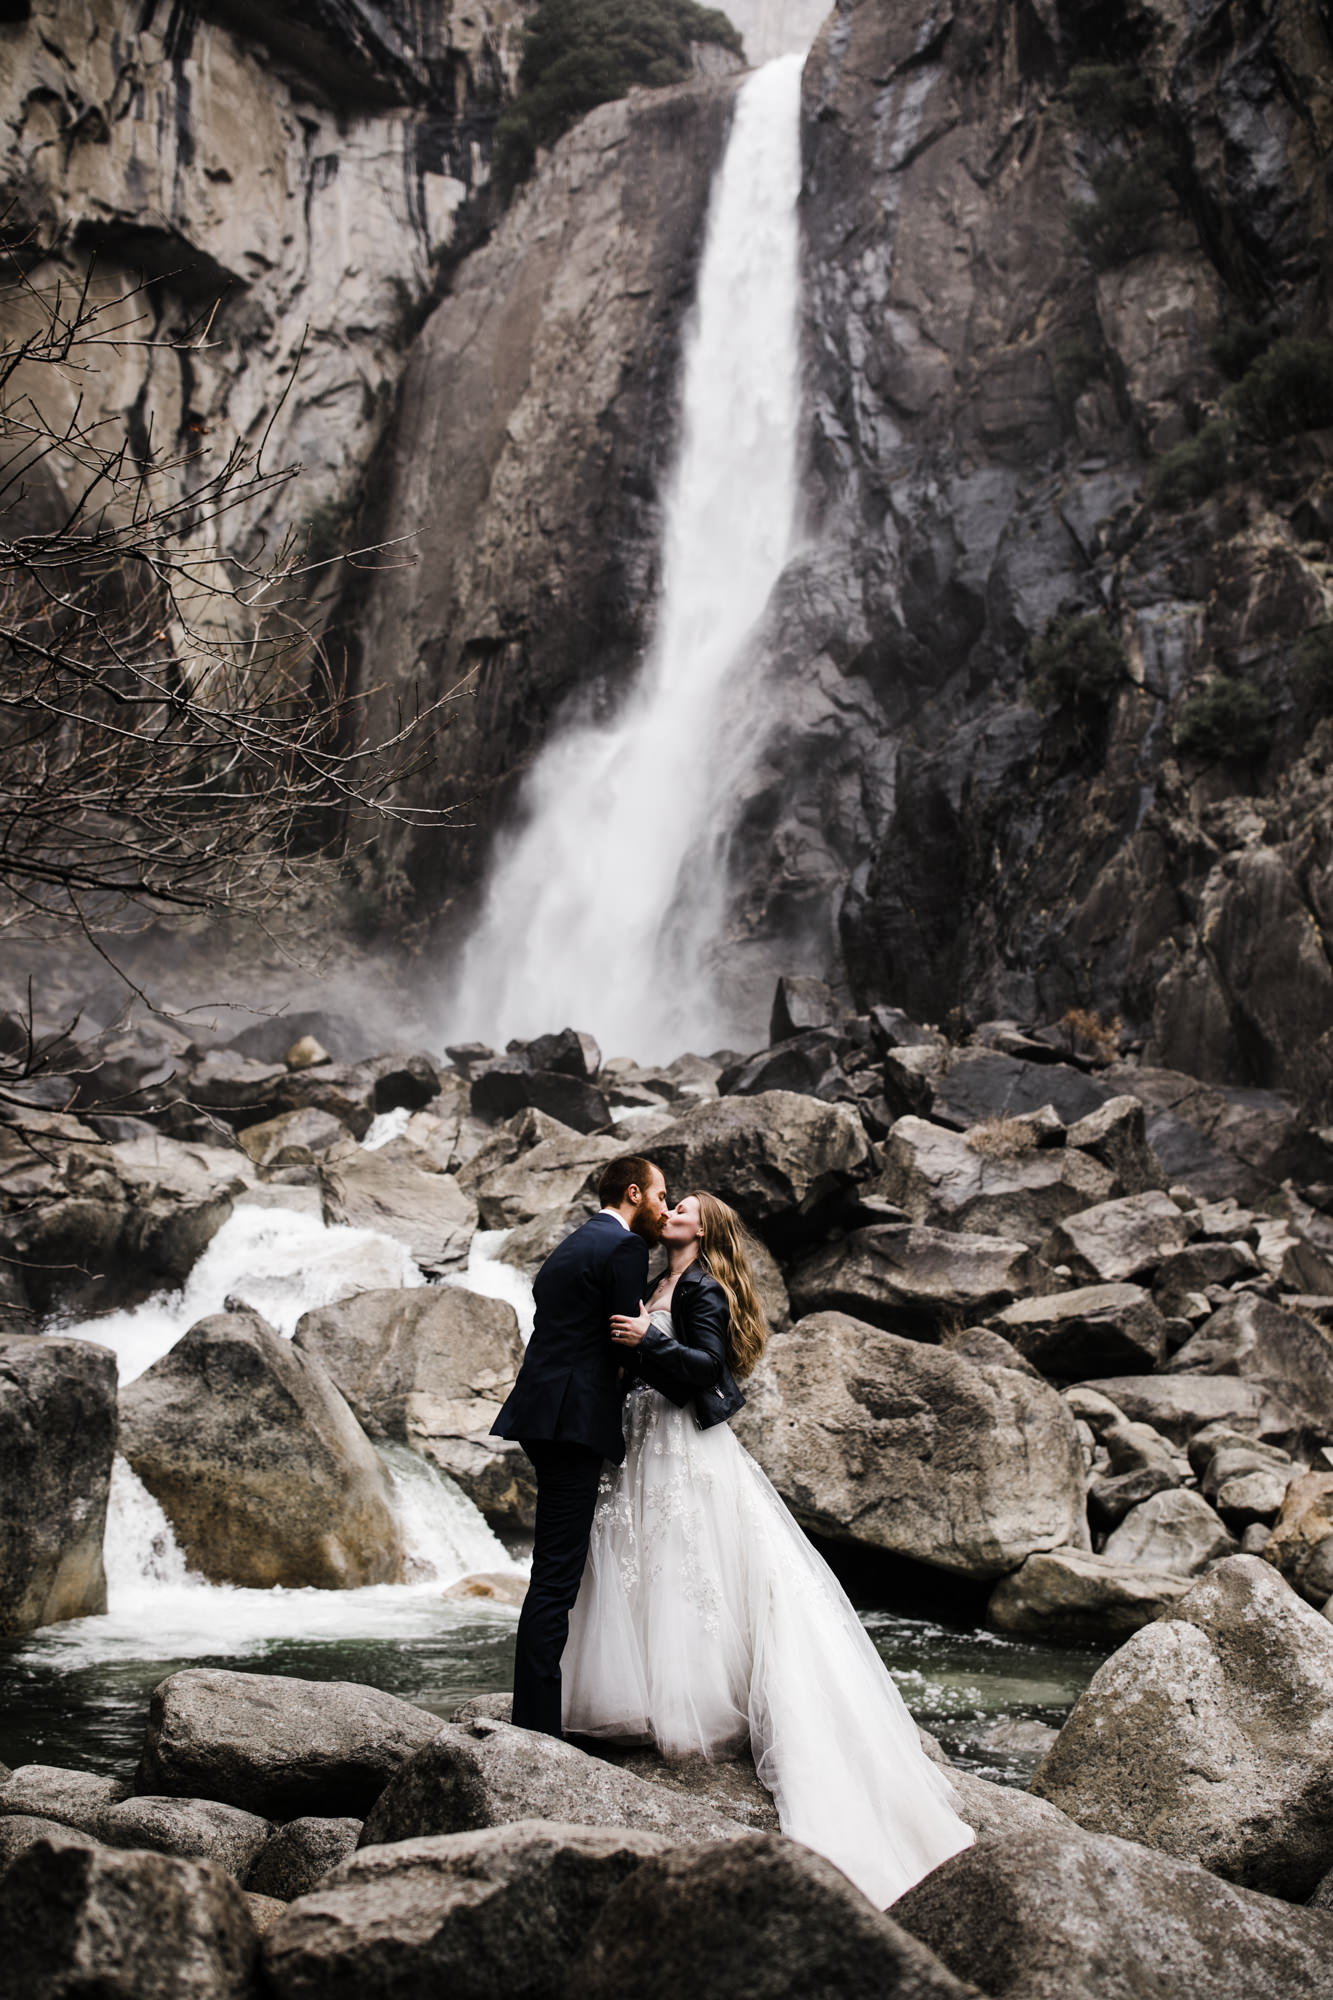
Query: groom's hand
pixel 628 1332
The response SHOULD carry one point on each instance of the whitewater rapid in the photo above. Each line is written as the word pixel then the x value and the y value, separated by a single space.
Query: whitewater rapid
pixel 564 935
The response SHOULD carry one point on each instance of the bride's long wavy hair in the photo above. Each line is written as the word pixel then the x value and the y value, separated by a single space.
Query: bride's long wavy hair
pixel 724 1249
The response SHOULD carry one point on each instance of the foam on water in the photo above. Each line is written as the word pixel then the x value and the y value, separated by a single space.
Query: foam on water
pixel 279 1261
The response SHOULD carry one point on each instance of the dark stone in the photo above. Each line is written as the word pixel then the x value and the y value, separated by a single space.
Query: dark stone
pixel 57 1440
pixel 567 1054
pixel 807 1063
pixel 298 1856
pixel 801 1004
pixel 978 1084
pixel 500 1089
pixel 268 1040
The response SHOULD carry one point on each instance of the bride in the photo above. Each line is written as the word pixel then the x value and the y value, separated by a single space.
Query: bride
pixel 706 1618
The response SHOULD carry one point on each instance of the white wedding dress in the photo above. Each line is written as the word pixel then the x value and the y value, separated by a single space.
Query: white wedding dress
pixel 705 1617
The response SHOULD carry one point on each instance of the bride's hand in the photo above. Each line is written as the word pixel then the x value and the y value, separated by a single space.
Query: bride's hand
pixel 627 1332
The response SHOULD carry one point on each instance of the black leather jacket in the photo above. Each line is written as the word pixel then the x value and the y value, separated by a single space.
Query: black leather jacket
pixel 692 1365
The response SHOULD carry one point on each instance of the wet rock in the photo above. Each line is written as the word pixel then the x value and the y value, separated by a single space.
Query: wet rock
pixel 1209 1735
pixel 500 1089
pixel 568 1053
pixel 1093 1330
pixel 483 1915
pixel 293 1138
pixel 430 1368
pixel 779 1159
pixel 1118 1240
pixel 1252 1338
pixel 123 1926
pixel 1046 1917
pixel 57 1441
pixel 492 1586
pixel 1116 1133
pixel 1180 1405
pixel 800 1004
pixel 873 1439
pixel 999 1812
pixel 1071 1594
pixel 952 1180
pixel 261 1468
pixel 52 1791
pixel 428 1212
pixel 764 1918
pixel 274 1745
pixel 904 1278
pixel 195 1829
pixel 484 1773
pixel 1176 1531
pixel 346 1092
pixel 405 1081
pixel 297 1857
pixel 1301 1544
pixel 547 1176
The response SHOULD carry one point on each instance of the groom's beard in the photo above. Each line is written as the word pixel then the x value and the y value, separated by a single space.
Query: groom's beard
pixel 648 1225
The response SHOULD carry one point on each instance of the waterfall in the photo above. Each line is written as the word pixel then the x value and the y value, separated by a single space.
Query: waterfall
pixel 603 902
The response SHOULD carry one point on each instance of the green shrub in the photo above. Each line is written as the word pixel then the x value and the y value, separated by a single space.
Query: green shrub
pixel 1290 388
pixel 1130 194
pixel 1227 722
pixel 1236 348
pixel 1107 98
pixel 1314 660
pixel 1189 472
pixel 581 53
pixel 1077 662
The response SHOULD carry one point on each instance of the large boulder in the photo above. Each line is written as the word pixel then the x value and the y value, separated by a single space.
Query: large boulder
pixel 292 1139
pixel 887 1442
pixel 428 1212
pixel 547 1176
pixel 261 1468
pixel 298 1856
pixel 195 1829
pixel 1115 1241
pixel 1301 1544
pixel 762 1919
pixel 510 1084
pixel 778 1158
pixel 54 1792
pixel 20 1831
pixel 1116 1134
pixel 973 1086
pixel 908 1279
pixel 1209 1735
pixel 1180 1405
pixel 1046 1917
pixel 487 1773
pixel 430 1368
pixel 1175 1531
pixel 1262 1342
pixel 1071 1594
pixel 1092 1330
pixel 949 1181
pixel 88 1921
pixel 274 1745
pixel 496 1914
pixel 57 1441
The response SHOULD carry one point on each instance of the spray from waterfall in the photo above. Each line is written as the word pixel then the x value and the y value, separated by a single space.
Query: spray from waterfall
pixel 603 903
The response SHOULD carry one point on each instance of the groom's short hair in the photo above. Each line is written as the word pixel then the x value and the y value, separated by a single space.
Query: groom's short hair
pixel 619 1176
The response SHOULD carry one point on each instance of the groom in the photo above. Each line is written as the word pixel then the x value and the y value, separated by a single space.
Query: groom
pixel 565 1411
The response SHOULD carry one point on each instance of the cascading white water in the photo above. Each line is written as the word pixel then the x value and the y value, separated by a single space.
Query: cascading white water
pixel 602 904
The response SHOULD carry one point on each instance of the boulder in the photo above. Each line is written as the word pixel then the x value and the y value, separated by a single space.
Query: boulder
pixel 497 1914
pixel 982 1344
pixel 20 1831
pixel 1072 1595
pixel 547 1176
pixel 1047 1917
pixel 1093 1330
pixel 274 1745
pixel 259 1465
pixel 1118 1240
pixel 179 1194
pixel 907 1279
pixel 428 1212
pixel 305 1052
pixel 241 1087
pixel 528 1247
pixel 269 1038
pixel 57 1441
pixel 1203 1264
pixel 799 1004
pixel 886 1442
pixel 779 1159
pixel 1116 1133
pixel 974 1085
pixel 430 1368
pixel 568 1053
pixel 939 1177
pixel 1291 1260
pixel 504 1143
pixel 809 1064
pixel 293 1138
pixel 195 1829
pixel 998 1812
pixel 88 1921
pixel 1301 1544
pixel 486 1773
pixel 1180 1405
pixel 1262 1342
pixel 1209 1735
pixel 501 1088
pixel 762 1919
pixel 1175 1531
pixel 53 1792
pixel 1140 1463
pixel 297 1857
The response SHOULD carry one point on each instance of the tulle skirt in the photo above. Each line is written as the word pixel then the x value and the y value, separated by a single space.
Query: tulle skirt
pixel 706 1618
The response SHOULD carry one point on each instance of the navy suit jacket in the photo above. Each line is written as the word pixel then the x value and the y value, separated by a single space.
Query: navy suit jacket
pixel 569 1387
